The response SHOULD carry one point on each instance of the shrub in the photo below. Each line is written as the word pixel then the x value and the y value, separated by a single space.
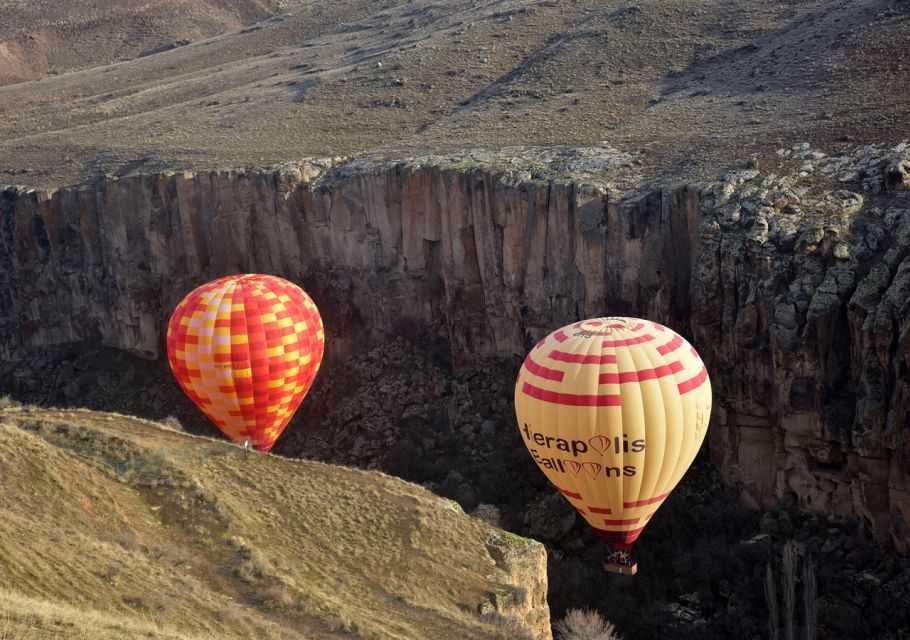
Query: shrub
pixel 129 541
pixel 488 513
pixel 8 403
pixel 274 597
pixel 253 565
pixel 171 422
pixel 584 624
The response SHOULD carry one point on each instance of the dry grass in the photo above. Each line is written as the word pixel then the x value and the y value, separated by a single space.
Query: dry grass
pixel 110 521
pixel 27 618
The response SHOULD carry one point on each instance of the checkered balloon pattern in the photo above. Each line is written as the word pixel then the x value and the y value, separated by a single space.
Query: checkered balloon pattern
pixel 246 349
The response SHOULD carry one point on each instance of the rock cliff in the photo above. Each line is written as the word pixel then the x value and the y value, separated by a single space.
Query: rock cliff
pixel 795 289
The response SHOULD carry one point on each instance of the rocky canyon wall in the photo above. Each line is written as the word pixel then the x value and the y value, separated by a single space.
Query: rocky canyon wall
pixel 795 289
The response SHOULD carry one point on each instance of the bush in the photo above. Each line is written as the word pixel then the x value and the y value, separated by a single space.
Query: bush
pixel 584 624
pixel 173 423
pixel 274 597
pixel 253 566
pixel 488 513
pixel 8 403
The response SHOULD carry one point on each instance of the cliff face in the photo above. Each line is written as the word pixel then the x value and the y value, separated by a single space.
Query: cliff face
pixel 803 299
pixel 794 289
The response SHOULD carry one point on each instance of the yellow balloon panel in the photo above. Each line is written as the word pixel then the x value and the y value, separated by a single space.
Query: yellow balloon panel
pixel 613 411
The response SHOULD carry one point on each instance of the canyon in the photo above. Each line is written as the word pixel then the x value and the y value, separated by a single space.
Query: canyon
pixel 795 288
pixel 451 182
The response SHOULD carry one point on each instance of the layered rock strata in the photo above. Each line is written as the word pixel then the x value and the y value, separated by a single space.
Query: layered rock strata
pixel 795 289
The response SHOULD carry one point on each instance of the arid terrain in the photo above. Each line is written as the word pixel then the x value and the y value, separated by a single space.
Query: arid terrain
pixel 451 181
pixel 691 86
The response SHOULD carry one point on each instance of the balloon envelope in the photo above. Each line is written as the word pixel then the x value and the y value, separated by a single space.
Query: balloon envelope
pixel 245 349
pixel 613 411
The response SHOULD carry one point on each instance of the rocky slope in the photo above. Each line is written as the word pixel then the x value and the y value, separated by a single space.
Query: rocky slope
pixel 794 288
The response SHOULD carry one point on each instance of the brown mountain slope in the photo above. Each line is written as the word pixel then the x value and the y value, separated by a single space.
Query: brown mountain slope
pixel 47 37
pixel 692 85
pixel 114 527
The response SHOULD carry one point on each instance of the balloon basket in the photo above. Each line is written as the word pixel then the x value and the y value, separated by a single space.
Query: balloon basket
pixel 621 562
pixel 624 569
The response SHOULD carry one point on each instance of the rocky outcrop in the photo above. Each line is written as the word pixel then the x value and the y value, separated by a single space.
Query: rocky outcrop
pixel 525 563
pixel 794 289
pixel 802 300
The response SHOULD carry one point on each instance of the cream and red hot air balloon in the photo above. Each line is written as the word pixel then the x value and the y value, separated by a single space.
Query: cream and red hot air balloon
pixel 613 411
pixel 245 349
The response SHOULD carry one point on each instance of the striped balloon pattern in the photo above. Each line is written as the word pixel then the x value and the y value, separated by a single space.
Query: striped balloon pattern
pixel 246 349
pixel 614 411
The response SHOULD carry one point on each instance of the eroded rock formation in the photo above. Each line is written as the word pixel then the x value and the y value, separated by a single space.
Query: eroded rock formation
pixel 794 289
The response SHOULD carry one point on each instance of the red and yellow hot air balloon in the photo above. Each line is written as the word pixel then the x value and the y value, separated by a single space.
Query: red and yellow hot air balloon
pixel 245 349
pixel 613 411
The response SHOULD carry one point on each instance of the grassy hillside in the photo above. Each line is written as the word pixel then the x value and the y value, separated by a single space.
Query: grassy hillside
pixel 114 527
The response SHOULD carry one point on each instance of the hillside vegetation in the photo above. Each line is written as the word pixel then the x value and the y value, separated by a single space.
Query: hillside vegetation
pixel 115 527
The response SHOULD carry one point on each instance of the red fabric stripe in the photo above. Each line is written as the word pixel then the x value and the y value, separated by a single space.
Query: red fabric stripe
pixel 554 397
pixel 641 503
pixel 570 494
pixel 638 376
pixel 604 510
pixel 543 372
pixel 628 341
pixel 578 358
pixel 561 336
pixel 671 346
pixel 620 539
pixel 623 522
pixel 694 383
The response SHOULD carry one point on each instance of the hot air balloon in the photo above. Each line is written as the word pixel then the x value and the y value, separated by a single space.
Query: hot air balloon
pixel 613 411
pixel 245 349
